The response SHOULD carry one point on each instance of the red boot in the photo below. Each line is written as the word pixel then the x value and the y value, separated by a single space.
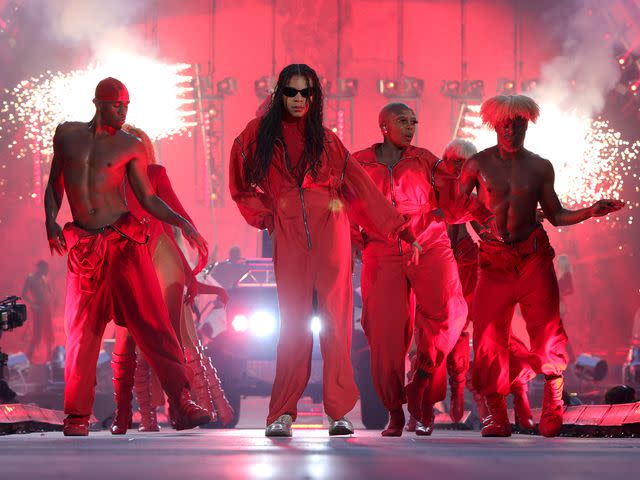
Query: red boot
pixel 456 402
pixel 457 368
pixel 142 388
pixel 425 427
pixel 521 407
pixel 124 367
pixel 411 424
pixel 496 424
pixel 415 391
pixel 396 424
pixel 75 426
pixel 552 406
pixel 185 413
pixel 223 407
pixel 198 380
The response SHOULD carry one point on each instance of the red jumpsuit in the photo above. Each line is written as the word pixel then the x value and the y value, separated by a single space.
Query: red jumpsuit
pixel 520 272
pixel 111 276
pixel 417 185
pixel 312 253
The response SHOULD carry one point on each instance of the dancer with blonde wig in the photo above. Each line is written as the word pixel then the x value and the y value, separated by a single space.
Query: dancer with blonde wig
pixel 465 251
pixel 516 263
pixel 174 274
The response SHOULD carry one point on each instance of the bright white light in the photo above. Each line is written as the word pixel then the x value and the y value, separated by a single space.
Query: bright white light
pixel 240 323
pixel 262 324
pixel 161 100
pixel 316 325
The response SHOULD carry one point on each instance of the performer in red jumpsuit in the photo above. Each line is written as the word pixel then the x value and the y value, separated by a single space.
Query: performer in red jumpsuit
pixel 516 263
pixel 292 176
pixel 465 251
pixel 110 273
pixel 174 273
pixel 416 183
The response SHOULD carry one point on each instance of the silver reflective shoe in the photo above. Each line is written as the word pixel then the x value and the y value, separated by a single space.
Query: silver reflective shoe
pixel 342 426
pixel 280 428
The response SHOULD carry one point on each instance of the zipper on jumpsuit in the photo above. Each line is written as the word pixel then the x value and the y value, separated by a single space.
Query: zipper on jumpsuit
pixel 393 200
pixel 301 190
pixel 304 216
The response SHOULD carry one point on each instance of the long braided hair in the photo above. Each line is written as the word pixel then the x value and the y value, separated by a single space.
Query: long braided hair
pixel 270 129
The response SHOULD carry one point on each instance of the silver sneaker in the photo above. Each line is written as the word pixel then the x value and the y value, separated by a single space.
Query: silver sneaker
pixel 341 426
pixel 280 428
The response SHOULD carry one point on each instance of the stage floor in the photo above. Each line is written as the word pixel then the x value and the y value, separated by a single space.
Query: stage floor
pixel 311 454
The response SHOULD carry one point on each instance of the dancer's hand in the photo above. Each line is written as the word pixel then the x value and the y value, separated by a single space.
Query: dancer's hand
pixel 416 250
pixel 56 239
pixel 605 207
pixel 197 242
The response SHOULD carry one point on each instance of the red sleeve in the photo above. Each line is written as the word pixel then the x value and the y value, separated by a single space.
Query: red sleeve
pixel 457 207
pixel 254 204
pixel 369 207
pixel 164 190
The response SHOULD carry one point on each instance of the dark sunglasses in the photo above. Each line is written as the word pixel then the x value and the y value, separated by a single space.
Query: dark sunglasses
pixel 292 92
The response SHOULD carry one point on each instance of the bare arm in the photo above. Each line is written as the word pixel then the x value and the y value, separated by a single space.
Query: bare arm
pixel 53 196
pixel 468 183
pixel 560 216
pixel 137 172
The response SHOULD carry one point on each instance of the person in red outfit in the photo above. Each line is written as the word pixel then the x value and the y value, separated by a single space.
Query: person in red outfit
pixel 174 273
pixel 292 176
pixel 465 251
pixel 110 273
pixel 416 183
pixel 516 263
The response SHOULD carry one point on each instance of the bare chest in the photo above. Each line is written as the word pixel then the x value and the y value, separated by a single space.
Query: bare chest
pixel 503 180
pixel 100 163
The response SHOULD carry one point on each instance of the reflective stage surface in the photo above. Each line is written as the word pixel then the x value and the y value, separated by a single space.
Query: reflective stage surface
pixel 311 454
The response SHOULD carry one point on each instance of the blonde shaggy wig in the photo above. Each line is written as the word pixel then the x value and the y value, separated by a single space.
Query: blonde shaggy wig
pixel 507 107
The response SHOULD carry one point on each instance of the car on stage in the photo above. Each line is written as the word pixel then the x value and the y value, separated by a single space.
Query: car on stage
pixel 244 350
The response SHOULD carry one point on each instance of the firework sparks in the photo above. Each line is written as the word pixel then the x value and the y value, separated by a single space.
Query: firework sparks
pixel 591 160
pixel 160 100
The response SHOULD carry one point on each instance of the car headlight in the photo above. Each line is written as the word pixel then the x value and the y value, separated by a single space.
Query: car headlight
pixel 240 323
pixel 316 325
pixel 262 324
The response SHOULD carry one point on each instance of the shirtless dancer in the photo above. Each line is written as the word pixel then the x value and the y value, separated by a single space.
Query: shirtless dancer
pixel 516 263
pixel 465 251
pixel 110 273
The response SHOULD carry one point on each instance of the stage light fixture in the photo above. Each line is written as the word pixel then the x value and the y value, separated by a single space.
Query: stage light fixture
pixel 227 86
pixel 506 86
pixel 388 88
pixel 473 89
pixel 264 86
pixel 346 87
pixel 404 87
pixel 450 88
pixel 591 368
